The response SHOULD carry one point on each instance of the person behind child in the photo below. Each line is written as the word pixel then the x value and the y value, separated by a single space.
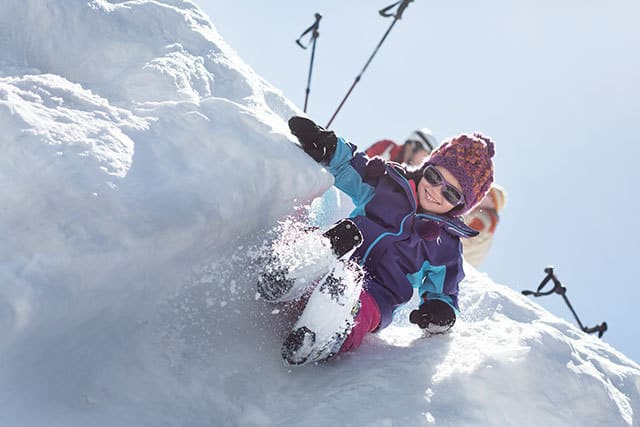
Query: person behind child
pixel 409 221
pixel 483 218
pixel 415 149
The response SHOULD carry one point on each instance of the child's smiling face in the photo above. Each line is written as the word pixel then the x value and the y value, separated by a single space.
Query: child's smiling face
pixel 431 199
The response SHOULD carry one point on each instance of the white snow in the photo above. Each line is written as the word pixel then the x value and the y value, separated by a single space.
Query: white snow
pixel 142 163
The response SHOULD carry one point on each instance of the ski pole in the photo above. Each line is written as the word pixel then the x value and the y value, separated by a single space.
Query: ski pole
pixel 561 290
pixel 384 12
pixel 314 36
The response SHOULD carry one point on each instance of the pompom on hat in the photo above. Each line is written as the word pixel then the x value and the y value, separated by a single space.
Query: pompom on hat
pixel 468 158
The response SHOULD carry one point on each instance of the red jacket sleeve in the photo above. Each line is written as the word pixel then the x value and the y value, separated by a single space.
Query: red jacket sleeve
pixel 386 148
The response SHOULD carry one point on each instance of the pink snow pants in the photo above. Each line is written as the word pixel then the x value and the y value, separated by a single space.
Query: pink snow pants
pixel 367 320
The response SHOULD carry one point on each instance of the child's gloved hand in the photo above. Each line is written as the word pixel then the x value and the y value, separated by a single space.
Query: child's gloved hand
pixel 376 167
pixel 317 142
pixel 434 315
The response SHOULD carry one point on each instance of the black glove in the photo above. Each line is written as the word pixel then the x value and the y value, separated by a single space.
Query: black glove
pixel 434 315
pixel 317 142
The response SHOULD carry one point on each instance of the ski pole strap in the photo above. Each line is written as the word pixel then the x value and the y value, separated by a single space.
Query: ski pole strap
pixel 557 287
pixel 398 15
pixel 313 29
pixel 561 290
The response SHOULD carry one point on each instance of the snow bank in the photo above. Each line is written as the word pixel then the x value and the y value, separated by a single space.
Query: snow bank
pixel 142 163
pixel 116 139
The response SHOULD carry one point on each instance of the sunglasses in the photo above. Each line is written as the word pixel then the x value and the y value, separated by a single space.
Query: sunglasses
pixel 449 192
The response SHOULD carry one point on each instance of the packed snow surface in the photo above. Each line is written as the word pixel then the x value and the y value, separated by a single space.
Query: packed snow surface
pixel 143 166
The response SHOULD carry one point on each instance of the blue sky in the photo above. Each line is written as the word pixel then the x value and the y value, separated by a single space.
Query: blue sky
pixel 556 88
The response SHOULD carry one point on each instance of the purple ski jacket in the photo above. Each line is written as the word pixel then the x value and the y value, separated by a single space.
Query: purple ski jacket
pixel 395 253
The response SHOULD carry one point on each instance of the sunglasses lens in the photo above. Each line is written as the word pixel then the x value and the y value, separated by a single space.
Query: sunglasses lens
pixel 432 175
pixel 452 195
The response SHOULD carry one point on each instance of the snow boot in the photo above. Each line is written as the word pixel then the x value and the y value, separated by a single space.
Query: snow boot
pixel 296 266
pixel 327 319
pixel 344 237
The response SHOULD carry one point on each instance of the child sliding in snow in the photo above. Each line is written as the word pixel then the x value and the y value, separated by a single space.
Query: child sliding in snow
pixel 404 233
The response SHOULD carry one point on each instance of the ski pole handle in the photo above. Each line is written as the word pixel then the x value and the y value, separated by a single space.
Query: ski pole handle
pixel 314 32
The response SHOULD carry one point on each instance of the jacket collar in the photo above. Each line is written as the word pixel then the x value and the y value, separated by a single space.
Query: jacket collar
pixel 454 226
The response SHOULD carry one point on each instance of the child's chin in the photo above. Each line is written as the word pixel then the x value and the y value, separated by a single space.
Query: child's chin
pixel 440 210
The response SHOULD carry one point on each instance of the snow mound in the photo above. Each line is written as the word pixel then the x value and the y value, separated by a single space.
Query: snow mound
pixel 143 165
pixel 116 138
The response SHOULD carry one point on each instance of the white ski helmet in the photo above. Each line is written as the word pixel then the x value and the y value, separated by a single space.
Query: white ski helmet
pixel 422 138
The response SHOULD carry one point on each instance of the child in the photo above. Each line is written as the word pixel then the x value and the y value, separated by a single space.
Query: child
pixel 408 235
